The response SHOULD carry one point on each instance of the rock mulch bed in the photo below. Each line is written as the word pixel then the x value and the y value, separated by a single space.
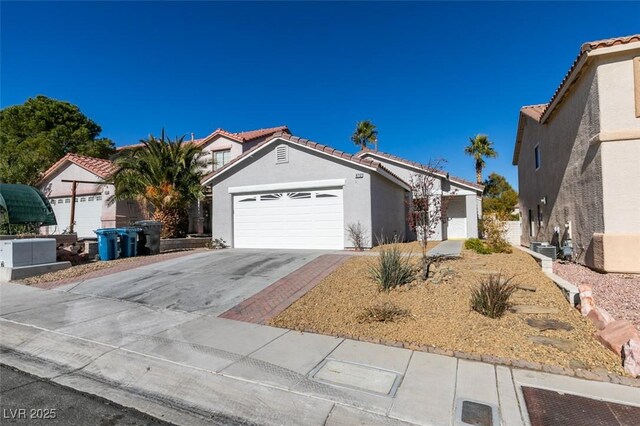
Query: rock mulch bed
pixel 441 320
pixel 97 268
pixel 619 294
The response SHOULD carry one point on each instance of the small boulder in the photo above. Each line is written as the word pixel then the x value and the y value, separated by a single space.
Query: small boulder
pixel 616 334
pixel 586 300
pixel 600 317
pixel 631 357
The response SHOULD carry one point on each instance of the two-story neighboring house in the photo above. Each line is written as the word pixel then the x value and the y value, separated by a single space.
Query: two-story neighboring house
pixel 92 208
pixel 578 159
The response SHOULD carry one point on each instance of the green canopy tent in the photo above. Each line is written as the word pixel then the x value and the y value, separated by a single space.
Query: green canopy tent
pixel 24 204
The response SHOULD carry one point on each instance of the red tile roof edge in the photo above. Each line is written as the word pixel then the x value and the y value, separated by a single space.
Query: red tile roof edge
pixel 245 136
pixel 424 167
pixel 98 166
pixel 310 144
pixel 584 50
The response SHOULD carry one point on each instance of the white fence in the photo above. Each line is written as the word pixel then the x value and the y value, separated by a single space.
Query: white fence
pixel 513 232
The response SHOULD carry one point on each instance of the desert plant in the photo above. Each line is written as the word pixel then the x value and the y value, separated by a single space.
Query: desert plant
pixel 383 312
pixel 393 267
pixel 494 228
pixel 216 244
pixel 477 245
pixel 427 208
pixel 357 234
pixel 491 297
pixel 164 173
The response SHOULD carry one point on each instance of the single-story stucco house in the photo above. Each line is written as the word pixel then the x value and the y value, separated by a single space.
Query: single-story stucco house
pixel 92 211
pixel 578 159
pixel 289 192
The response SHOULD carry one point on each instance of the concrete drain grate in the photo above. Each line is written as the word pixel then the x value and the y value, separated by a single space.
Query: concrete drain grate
pixel 357 376
pixel 476 413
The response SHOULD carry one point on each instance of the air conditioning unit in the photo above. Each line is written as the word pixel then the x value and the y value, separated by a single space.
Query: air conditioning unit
pixel 535 244
pixel 548 250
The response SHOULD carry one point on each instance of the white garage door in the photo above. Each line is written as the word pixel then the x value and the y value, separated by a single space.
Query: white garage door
pixel 304 220
pixel 456 212
pixel 87 215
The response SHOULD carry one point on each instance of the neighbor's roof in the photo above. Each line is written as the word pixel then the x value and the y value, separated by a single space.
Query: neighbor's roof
pixel 246 136
pixel 98 166
pixel 241 137
pixel 541 113
pixel 286 136
pixel 439 172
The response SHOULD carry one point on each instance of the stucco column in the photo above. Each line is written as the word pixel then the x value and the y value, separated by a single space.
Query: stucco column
pixel 471 213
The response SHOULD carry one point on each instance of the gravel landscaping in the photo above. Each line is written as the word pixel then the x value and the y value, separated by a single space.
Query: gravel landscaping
pixel 440 315
pixel 93 266
pixel 619 294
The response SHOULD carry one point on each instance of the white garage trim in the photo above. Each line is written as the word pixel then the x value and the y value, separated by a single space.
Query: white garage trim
pixel 311 184
pixel 305 219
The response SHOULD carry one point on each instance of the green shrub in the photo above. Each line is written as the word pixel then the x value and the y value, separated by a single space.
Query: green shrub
pixel 491 297
pixel 477 245
pixel 393 267
pixel 495 226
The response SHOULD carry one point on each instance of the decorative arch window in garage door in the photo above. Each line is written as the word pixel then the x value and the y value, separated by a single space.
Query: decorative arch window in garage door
pixel 305 220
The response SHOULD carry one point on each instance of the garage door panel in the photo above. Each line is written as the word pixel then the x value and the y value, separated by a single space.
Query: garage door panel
pixel 305 219
pixel 88 209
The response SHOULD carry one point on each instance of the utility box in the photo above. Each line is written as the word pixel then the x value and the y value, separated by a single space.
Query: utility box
pixel 27 252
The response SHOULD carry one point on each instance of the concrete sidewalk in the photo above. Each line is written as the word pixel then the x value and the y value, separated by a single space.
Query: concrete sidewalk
pixel 191 368
pixel 449 248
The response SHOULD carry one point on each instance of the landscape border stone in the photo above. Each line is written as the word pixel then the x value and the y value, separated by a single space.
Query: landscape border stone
pixel 600 376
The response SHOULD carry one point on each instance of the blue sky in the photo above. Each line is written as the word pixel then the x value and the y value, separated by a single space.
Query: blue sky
pixel 428 74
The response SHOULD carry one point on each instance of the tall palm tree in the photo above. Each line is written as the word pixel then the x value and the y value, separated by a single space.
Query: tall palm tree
pixel 165 174
pixel 480 147
pixel 365 134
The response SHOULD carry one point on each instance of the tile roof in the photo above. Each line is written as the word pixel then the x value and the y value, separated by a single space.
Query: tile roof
pixel 246 136
pixel 534 111
pixel 424 167
pixel 98 166
pixel 310 144
pixel 584 50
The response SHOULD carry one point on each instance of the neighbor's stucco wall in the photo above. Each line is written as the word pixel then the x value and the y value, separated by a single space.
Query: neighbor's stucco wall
pixel 303 165
pixel 388 210
pixel 570 170
pixel 221 143
pixel 619 143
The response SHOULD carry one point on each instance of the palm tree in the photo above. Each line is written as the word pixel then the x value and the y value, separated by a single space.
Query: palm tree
pixel 165 174
pixel 364 134
pixel 480 147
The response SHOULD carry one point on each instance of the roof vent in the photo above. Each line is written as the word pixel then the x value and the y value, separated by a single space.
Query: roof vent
pixel 282 154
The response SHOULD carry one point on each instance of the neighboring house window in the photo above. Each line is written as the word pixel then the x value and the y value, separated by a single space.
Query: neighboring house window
pixel 536 153
pixel 220 158
pixel 98 197
pixel 531 223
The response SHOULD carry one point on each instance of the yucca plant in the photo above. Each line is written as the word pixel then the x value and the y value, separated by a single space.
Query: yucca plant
pixel 491 297
pixel 165 174
pixel 393 267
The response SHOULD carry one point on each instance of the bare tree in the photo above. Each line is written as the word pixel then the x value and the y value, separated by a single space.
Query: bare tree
pixel 357 234
pixel 427 209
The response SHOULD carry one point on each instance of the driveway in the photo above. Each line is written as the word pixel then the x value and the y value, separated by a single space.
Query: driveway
pixel 207 283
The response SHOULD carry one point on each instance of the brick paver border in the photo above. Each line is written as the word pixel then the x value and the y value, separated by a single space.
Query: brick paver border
pixel 124 266
pixel 271 301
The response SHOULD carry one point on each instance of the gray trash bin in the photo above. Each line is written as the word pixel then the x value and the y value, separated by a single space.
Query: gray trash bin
pixel 149 237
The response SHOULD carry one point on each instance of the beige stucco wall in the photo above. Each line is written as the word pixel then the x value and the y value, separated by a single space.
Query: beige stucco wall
pixel 570 170
pixel 590 174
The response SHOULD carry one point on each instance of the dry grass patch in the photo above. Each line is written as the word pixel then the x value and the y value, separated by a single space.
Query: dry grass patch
pixel 441 315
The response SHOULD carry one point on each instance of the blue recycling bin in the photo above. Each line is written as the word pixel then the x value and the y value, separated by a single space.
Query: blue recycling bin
pixel 128 241
pixel 107 243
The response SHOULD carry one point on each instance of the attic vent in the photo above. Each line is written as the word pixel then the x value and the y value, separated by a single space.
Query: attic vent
pixel 282 154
